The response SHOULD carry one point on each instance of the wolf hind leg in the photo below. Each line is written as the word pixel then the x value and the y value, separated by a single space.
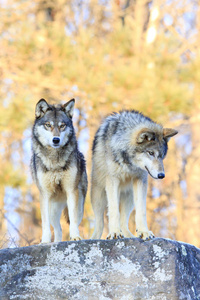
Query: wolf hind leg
pixel 81 201
pixel 98 199
pixel 126 207
pixel 113 196
pixel 82 189
pixel 56 208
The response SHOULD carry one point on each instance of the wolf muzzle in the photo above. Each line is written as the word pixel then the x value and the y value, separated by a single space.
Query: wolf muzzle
pixel 160 175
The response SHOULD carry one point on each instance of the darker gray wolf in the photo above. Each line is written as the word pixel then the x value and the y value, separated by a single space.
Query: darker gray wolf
pixel 127 147
pixel 58 169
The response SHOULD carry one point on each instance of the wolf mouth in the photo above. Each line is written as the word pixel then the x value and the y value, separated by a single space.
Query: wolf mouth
pixel 150 173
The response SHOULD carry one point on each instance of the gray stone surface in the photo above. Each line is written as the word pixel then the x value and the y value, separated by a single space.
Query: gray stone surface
pixel 97 269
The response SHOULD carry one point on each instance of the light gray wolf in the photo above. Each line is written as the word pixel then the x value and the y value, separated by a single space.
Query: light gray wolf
pixel 58 168
pixel 127 147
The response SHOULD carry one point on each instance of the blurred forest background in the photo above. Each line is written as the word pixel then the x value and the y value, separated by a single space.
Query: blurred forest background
pixel 108 55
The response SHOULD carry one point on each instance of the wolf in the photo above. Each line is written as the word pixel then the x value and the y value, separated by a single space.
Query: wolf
pixel 127 147
pixel 58 168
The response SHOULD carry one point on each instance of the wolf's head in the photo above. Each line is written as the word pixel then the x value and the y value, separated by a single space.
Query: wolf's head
pixel 151 149
pixel 53 125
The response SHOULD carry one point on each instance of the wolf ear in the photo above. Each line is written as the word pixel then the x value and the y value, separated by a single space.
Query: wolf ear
pixel 69 108
pixel 168 133
pixel 145 136
pixel 41 108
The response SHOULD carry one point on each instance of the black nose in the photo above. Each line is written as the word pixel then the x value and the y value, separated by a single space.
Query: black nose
pixel 161 175
pixel 56 140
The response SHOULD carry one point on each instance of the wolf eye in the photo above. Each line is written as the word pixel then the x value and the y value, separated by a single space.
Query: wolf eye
pixel 62 126
pixel 151 153
pixel 48 125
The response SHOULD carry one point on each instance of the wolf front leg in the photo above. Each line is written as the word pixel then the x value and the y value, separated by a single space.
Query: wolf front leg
pixel 44 206
pixel 140 194
pixel 125 208
pixel 112 191
pixel 72 203
pixel 55 212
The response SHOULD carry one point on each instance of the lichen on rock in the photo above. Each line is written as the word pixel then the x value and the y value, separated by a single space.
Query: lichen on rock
pixel 101 269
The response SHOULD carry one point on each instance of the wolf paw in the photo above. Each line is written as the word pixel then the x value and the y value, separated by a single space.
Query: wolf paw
pixel 115 235
pixel 145 235
pixel 75 238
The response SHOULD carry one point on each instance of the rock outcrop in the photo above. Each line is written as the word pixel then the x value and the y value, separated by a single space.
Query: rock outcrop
pixel 101 269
